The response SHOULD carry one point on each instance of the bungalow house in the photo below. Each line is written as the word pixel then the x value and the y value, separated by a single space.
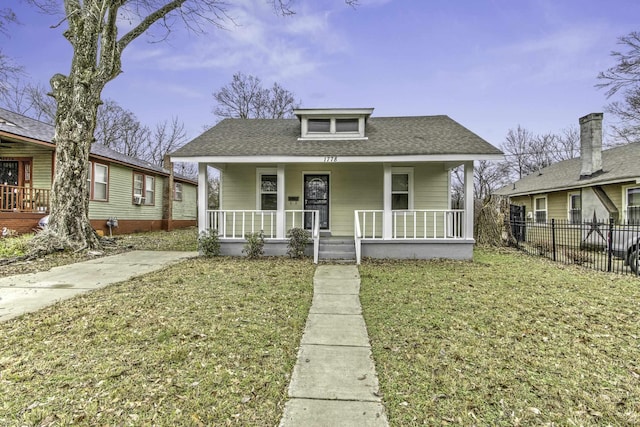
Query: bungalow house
pixel 363 186
pixel 139 195
pixel 601 184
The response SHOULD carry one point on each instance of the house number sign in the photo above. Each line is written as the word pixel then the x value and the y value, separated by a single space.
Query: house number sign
pixel 330 159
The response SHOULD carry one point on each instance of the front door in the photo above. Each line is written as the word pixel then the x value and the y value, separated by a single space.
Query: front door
pixel 316 197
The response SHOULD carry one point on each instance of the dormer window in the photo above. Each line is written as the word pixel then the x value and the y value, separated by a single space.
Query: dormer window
pixel 340 123
pixel 319 125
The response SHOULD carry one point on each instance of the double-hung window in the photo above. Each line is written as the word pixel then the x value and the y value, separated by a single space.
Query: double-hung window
pixel 575 208
pixel 540 209
pixel 177 191
pixel 143 189
pixel 268 188
pixel 401 189
pixel 632 199
pixel 98 181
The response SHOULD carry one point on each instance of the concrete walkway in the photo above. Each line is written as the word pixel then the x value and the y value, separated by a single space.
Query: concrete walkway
pixel 25 293
pixel 334 382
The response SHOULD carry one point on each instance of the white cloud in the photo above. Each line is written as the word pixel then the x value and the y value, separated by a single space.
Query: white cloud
pixel 259 42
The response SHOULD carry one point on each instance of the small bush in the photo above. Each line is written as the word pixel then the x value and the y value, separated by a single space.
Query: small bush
pixel 209 243
pixel 254 248
pixel 298 240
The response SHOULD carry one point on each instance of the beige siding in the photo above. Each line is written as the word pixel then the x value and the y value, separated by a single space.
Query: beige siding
pixel 352 187
pixel 187 208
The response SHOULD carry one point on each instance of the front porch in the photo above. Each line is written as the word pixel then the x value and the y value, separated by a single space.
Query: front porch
pixel 399 234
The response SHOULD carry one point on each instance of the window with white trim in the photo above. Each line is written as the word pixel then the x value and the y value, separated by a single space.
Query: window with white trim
pixel 98 181
pixel 177 191
pixel 401 189
pixel 267 190
pixel 575 208
pixel 143 189
pixel 540 209
pixel 632 205
pixel 333 128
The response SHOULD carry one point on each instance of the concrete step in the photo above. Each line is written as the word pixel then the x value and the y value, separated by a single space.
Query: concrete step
pixel 337 248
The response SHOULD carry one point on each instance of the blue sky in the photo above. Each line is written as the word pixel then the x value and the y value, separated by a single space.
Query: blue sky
pixel 489 64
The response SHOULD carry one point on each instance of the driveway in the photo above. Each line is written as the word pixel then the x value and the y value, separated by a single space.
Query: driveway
pixel 25 293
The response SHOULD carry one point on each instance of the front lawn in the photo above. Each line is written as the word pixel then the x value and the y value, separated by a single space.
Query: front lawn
pixel 506 340
pixel 204 342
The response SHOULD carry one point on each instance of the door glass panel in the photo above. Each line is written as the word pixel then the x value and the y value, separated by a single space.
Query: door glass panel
pixel 9 173
pixel 316 197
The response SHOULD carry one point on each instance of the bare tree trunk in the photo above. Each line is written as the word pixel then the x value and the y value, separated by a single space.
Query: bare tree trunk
pixel 75 122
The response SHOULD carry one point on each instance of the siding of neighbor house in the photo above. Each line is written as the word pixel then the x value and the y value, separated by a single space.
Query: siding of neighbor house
pixel 185 209
pixel 120 203
pixel 42 162
pixel 352 187
pixel 558 202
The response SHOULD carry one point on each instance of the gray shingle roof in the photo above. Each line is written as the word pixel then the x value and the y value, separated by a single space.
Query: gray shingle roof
pixel 618 164
pixel 387 136
pixel 19 125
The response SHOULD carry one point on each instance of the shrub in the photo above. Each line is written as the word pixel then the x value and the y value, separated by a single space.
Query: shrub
pixel 298 240
pixel 254 248
pixel 209 243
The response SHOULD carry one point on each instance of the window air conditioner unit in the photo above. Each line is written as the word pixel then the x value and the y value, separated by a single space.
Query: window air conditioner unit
pixel 138 199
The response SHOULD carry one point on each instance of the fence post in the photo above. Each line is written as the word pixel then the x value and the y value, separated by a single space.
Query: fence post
pixel 553 237
pixel 610 246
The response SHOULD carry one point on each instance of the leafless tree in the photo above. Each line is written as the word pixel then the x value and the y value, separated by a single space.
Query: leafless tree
pixel 567 144
pixel 10 72
pixel 119 129
pixel 516 148
pixel 167 136
pixel 30 100
pixel 624 77
pixel 97 40
pixel 244 98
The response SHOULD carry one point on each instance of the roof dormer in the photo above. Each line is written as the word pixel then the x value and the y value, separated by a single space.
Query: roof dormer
pixel 332 123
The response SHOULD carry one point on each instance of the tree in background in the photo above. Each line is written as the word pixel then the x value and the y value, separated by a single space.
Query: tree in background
pixel 624 78
pixel 245 98
pixel 10 72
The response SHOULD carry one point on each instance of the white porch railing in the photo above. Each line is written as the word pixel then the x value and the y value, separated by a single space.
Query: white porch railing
pixel 409 224
pixel 235 224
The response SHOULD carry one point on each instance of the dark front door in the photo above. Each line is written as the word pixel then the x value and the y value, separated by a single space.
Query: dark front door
pixel 316 197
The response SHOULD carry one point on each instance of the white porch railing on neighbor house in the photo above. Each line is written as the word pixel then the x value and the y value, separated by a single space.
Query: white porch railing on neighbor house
pixel 235 224
pixel 409 224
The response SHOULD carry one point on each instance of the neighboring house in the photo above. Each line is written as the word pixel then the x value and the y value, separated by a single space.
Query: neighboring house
pixel 141 196
pixel 604 184
pixel 364 186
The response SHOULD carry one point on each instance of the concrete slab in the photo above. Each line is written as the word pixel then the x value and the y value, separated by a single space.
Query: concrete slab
pixel 335 304
pixel 336 286
pixel 336 329
pixel 337 272
pixel 334 373
pixel 17 301
pixel 333 413
pixel 25 293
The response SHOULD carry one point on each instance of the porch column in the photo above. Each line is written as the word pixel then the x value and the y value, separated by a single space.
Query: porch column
pixel 203 197
pixel 387 220
pixel 468 200
pixel 280 214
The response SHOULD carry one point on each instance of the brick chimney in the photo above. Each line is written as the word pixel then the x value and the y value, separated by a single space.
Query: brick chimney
pixel 591 144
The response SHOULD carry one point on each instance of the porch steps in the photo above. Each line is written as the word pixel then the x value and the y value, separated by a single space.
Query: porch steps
pixel 337 249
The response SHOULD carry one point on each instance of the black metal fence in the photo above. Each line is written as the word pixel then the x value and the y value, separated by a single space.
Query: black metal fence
pixel 600 245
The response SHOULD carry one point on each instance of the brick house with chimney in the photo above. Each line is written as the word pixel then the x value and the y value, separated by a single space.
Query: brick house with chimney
pixel 601 184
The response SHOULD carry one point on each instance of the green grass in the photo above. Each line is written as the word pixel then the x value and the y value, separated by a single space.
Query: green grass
pixel 204 342
pixel 14 246
pixel 506 340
